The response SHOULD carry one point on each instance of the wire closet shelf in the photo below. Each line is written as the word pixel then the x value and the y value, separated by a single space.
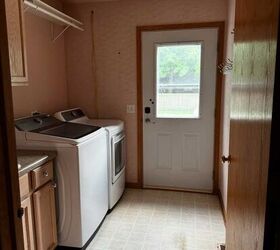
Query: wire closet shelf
pixel 55 16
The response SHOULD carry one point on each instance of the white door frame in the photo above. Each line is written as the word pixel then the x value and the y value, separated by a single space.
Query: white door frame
pixel 220 50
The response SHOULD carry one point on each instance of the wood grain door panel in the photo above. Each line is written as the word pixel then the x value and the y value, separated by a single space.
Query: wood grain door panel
pixel 16 38
pixel 28 224
pixel 24 186
pixel 251 111
pixel 45 218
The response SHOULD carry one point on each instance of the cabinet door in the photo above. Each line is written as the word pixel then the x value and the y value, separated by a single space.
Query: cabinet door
pixel 16 39
pixel 27 224
pixel 45 218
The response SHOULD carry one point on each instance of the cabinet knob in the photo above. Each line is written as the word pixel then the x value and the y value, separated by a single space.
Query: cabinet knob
pixel 54 185
pixel 45 173
pixel 20 212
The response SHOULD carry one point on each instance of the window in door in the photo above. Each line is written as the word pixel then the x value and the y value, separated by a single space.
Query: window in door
pixel 178 80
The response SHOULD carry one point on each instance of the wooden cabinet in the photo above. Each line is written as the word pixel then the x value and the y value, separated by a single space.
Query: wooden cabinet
pixel 44 214
pixel 42 175
pixel 27 224
pixel 24 186
pixel 16 40
pixel 37 191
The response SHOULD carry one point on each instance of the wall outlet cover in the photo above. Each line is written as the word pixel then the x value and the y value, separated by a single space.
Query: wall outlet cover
pixel 130 108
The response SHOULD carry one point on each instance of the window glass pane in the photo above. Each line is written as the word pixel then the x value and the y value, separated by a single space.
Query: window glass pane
pixel 178 80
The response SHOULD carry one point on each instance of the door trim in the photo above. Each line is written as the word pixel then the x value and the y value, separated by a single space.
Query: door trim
pixel 220 51
pixel 11 237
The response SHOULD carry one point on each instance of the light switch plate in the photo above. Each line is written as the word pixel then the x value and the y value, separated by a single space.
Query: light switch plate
pixel 130 108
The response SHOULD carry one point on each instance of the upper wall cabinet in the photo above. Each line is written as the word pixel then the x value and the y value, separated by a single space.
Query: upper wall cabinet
pixel 16 39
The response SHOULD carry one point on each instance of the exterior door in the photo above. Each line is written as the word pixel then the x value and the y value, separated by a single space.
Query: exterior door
pixel 255 43
pixel 179 86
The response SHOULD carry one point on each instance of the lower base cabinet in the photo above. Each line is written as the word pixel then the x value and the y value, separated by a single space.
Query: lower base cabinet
pixel 44 217
pixel 27 224
pixel 38 204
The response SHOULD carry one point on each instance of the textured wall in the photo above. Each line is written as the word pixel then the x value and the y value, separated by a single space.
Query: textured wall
pixel 46 90
pixel 115 42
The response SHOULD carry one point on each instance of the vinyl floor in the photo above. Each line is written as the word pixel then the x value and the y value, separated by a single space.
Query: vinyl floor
pixel 162 220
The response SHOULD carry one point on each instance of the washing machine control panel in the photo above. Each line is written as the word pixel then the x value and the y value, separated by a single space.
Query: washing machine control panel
pixel 73 114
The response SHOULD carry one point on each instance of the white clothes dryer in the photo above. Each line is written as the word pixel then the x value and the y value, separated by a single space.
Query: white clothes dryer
pixel 116 148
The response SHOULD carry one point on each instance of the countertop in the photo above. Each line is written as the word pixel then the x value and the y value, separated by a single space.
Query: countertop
pixel 31 159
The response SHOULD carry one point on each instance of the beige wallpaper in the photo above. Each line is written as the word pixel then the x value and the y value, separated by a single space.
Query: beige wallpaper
pixel 115 42
pixel 46 90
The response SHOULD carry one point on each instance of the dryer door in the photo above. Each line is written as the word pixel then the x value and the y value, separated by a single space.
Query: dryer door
pixel 118 155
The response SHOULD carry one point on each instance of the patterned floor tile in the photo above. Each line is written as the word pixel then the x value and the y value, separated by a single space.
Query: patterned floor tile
pixel 162 220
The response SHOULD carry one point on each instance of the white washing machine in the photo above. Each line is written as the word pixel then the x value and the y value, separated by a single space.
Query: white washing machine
pixel 81 173
pixel 116 149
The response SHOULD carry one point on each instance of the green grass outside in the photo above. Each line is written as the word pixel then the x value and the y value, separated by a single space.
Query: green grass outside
pixel 178 105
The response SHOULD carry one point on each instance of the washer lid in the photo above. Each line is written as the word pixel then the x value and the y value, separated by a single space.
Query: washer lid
pixel 48 125
pixel 70 130
pixel 36 123
pixel 112 126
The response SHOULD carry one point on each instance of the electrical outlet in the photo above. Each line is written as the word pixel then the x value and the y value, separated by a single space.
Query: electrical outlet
pixel 130 108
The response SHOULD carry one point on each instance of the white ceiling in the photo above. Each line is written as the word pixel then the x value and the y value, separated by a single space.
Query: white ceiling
pixel 87 1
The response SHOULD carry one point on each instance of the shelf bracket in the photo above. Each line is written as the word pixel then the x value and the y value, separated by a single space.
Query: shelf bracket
pixel 55 37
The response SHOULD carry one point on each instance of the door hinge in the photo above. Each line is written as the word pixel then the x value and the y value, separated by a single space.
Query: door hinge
pixel 20 212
